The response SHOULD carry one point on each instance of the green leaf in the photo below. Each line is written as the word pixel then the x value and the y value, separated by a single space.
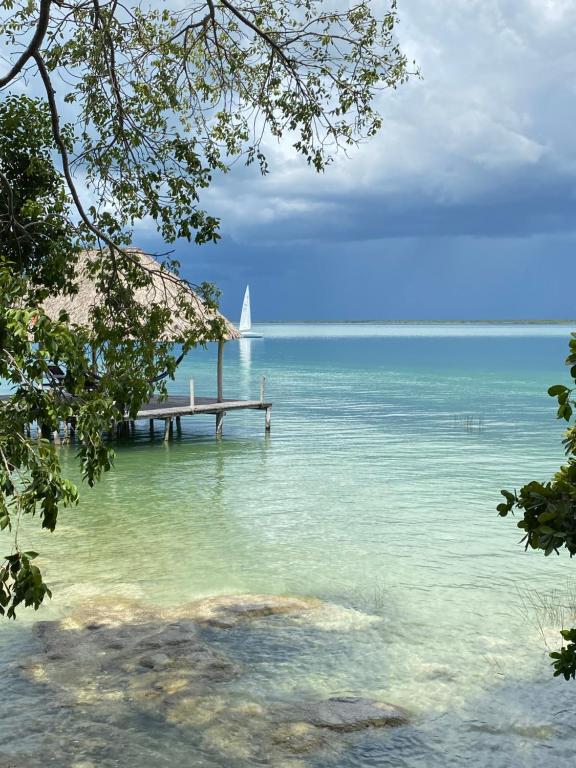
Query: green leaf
pixel 557 389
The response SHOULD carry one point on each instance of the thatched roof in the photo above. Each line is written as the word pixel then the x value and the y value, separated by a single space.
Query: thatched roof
pixel 163 290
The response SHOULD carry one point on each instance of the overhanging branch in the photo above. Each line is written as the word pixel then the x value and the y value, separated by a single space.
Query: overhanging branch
pixel 55 120
pixel 34 45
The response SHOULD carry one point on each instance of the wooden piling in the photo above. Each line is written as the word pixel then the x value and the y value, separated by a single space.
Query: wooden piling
pixel 262 388
pixel 167 429
pixel 192 400
pixel 220 383
pixel 219 423
pixel 268 418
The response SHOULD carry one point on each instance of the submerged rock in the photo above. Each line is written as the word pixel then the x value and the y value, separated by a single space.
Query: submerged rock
pixel 108 611
pixel 196 711
pixel 117 656
pixel 240 729
pixel 144 653
pixel 148 659
pixel 300 738
pixel 348 713
pixel 330 617
pixel 226 611
pixel 17 761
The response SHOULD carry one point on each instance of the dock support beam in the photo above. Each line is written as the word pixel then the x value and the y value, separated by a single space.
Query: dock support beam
pixel 262 388
pixel 268 418
pixel 220 385
pixel 219 423
pixel 167 429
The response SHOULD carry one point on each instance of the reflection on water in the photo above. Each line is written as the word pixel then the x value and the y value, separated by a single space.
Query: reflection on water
pixel 373 494
pixel 245 352
pixel 244 368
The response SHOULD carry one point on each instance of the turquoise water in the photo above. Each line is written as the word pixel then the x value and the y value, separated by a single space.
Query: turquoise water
pixel 375 491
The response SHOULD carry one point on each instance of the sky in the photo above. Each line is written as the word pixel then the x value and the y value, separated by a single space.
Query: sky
pixel 463 207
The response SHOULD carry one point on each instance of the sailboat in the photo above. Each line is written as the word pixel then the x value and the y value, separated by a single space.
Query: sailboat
pixel 246 319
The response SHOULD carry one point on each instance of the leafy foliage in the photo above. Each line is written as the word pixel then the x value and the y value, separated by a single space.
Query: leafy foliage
pixel 36 231
pixel 549 509
pixel 146 103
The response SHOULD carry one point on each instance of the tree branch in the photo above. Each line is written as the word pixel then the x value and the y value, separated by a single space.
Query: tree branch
pixel 260 32
pixel 50 95
pixel 34 45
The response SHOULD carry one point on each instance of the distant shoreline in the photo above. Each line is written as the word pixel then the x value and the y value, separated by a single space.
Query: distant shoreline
pixel 417 322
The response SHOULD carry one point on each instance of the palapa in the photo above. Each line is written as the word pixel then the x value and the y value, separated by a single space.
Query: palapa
pixel 165 289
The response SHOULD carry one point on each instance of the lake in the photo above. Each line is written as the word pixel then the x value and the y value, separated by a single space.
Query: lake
pixel 375 492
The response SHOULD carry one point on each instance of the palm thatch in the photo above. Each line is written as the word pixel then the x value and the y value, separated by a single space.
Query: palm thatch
pixel 165 289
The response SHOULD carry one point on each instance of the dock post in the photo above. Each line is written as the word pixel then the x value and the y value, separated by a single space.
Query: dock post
pixel 151 424
pixel 219 388
pixel 268 418
pixel 219 423
pixel 191 394
pixel 262 388
pixel 167 429
pixel 178 425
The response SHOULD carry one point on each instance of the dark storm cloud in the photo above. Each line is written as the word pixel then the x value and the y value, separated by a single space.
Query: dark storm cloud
pixel 464 205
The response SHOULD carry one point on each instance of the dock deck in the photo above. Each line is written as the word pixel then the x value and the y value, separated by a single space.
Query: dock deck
pixel 180 405
pixel 176 406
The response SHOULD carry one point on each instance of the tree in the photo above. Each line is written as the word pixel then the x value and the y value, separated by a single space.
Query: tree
pixel 549 509
pixel 146 104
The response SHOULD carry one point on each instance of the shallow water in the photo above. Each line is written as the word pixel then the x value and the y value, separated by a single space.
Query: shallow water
pixel 375 491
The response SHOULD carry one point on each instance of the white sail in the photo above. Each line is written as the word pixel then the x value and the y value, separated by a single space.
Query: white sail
pixel 245 319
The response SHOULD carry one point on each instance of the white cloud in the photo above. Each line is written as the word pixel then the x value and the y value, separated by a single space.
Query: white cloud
pixel 497 100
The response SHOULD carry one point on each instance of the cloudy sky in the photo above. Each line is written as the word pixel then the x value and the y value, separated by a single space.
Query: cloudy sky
pixel 463 207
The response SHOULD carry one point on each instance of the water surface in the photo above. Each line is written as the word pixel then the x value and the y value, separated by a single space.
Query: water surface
pixel 375 491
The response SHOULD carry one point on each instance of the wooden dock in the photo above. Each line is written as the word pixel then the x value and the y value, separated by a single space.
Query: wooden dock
pixel 172 409
pixel 175 406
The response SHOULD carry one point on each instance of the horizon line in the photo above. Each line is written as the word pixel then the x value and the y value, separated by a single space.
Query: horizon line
pixel 535 321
